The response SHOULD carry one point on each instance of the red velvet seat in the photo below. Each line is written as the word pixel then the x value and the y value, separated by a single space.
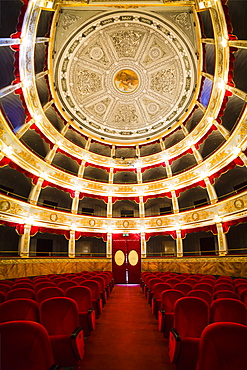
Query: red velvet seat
pixel 7 282
pixel 166 312
pixel 156 301
pixel 190 281
pixel 203 286
pixel 96 299
pixel 243 296
pixel 20 293
pixel 107 279
pixel 240 287
pixel 22 285
pixel 150 291
pixel 207 281
pixel 173 281
pixel 64 285
pixel 191 316
pixel 228 310
pixel 2 297
pixel 146 283
pixel 223 347
pixel 224 286
pixel 184 287
pixel 4 288
pixel 48 292
pixel 239 281
pixel 60 317
pixel 83 297
pixel 203 294
pixel 225 294
pixel 43 284
pixel 25 345
pixel 103 287
pixel 19 309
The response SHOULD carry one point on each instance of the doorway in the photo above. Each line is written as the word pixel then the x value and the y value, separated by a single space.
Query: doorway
pixel 126 258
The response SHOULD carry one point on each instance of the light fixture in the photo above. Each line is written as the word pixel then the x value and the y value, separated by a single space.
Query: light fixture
pixel 224 42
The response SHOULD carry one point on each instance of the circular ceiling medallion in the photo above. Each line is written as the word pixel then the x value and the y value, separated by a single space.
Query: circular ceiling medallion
pixel 126 81
pixel 126 76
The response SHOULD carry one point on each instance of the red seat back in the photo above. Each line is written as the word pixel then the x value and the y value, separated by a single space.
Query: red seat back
pixel 223 347
pixel 25 345
pixel 225 294
pixel 203 294
pixel 93 286
pixel 228 310
pixel 82 295
pixel 224 286
pixel 204 286
pixel 19 309
pixel 184 287
pixel 169 298
pixel 159 288
pixel 49 292
pixel 20 293
pixel 64 285
pixel 191 316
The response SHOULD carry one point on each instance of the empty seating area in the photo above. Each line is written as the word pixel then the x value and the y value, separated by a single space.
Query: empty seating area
pixel 59 310
pixel 194 312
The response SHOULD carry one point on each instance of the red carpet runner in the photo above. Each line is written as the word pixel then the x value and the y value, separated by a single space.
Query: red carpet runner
pixel 126 336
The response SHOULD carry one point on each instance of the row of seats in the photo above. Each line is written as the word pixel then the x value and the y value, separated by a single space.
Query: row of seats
pixel 193 316
pixel 55 320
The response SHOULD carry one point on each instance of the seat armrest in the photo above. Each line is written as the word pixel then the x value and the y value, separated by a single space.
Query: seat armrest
pixel 55 367
pixel 174 345
pixel 175 334
pixel 90 310
pixel 76 332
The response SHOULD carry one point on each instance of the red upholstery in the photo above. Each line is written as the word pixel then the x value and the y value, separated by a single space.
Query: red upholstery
pixel 240 287
pixel 25 345
pixel 22 285
pixel 146 283
pixel 225 294
pixel 64 285
pixel 2 297
pixel 172 281
pixel 19 309
pixel 224 286
pixel 60 317
pixel 207 281
pixel 191 281
pixel 20 293
pixel 7 282
pixel 239 281
pixel 43 284
pixel 156 301
pixel 150 291
pixel 191 316
pixel 228 310
pixel 203 294
pixel 208 277
pixel 4 288
pixel 184 287
pixel 49 292
pixel 203 286
pixel 83 297
pixel 102 285
pixel 166 313
pixel 243 296
pixel 96 299
pixel 223 347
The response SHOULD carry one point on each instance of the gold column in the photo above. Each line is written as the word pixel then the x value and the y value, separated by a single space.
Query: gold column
pixel 71 246
pixel 111 175
pixel 222 242
pixel 109 245
pixel 81 169
pixel 179 244
pixel 175 205
pixel 109 207
pixel 211 191
pixel 141 207
pixel 75 202
pixel 139 175
pixel 35 192
pixel 143 245
pixel 24 242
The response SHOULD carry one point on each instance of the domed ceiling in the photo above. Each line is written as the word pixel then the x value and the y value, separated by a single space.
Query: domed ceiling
pixel 125 76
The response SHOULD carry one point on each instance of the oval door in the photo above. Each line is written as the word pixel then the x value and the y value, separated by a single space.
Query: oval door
pixel 133 257
pixel 119 257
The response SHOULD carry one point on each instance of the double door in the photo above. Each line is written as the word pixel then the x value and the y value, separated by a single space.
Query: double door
pixel 126 259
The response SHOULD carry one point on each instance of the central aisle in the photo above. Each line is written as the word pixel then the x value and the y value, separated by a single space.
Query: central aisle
pixel 126 335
